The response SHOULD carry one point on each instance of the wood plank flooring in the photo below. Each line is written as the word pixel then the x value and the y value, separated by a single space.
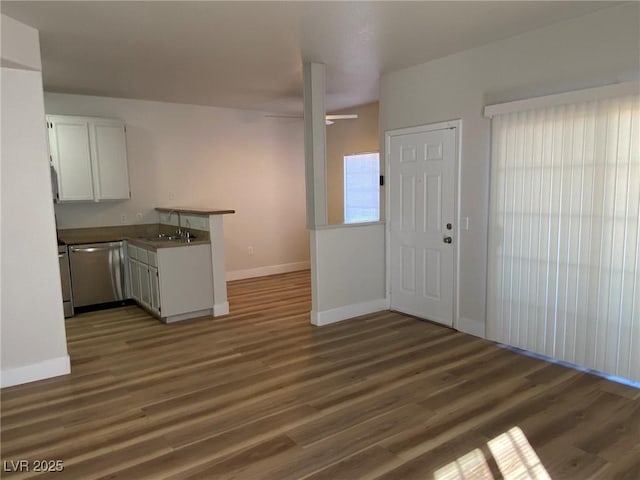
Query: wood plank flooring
pixel 261 394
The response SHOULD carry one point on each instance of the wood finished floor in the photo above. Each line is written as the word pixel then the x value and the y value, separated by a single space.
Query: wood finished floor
pixel 261 394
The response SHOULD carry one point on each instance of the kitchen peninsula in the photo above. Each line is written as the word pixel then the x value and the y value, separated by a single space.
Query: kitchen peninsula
pixel 215 229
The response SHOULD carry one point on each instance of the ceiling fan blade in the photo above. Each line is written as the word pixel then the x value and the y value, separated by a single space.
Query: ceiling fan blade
pixel 284 115
pixel 341 117
pixel 329 119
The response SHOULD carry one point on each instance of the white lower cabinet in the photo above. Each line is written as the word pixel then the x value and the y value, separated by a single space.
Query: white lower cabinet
pixel 173 283
pixel 145 285
pixel 134 278
pixel 154 283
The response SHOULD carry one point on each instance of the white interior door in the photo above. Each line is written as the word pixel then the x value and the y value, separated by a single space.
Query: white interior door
pixel 422 222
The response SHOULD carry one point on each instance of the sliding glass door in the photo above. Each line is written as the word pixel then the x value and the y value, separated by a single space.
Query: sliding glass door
pixel 564 240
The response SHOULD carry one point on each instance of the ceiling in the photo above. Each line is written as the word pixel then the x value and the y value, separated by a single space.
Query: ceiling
pixel 249 54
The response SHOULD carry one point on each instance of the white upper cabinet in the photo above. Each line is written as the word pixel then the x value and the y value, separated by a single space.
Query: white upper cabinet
pixel 109 155
pixel 71 157
pixel 89 156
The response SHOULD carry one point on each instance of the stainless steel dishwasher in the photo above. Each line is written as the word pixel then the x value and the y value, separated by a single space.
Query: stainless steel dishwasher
pixel 97 273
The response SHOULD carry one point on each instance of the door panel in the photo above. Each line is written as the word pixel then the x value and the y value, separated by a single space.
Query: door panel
pixel 408 269
pixel 408 199
pixel 145 285
pixel 432 273
pixel 421 182
pixel 433 206
pixel 155 289
pixel 134 273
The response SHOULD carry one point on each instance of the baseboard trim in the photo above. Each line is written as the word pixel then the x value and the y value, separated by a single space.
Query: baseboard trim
pixel 53 367
pixel 334 315
pixel 220 309
pixel 268 270
pixel 186 316
pixel 467 325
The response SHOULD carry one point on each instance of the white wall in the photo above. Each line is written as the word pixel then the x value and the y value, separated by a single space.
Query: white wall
pixel 187 155
pixel 592 50
pixel 346 137
pixel 20 45
pixel 349 268
pixel 32 330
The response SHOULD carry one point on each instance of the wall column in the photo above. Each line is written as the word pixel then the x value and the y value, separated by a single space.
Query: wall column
pixel 314 144
pixel 32 328
pixel 315 166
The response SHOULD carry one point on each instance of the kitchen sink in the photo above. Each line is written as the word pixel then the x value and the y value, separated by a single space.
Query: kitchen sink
pixel 171 237
pixel 162 239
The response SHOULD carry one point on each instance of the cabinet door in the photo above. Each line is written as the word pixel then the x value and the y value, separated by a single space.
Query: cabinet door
pixel 71 157
pixel 109 154
pixel 186 279
pixel 155 289
pixel 134 277
pixel 145 285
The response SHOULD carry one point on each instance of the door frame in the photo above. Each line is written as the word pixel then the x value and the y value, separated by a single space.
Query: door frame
pixel 388 135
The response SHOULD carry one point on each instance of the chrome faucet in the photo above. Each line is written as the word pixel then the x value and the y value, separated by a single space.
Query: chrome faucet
pixel 187 232
pixel 171 212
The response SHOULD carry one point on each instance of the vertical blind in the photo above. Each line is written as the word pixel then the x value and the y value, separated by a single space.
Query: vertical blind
pixel 564 233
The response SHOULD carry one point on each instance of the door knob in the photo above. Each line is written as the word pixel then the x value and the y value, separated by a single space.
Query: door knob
pixel 447 240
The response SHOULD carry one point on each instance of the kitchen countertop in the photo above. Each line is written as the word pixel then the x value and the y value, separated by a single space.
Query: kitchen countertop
pixel 194 210
pixel 74 236
pixel 166 243
pixel 134 233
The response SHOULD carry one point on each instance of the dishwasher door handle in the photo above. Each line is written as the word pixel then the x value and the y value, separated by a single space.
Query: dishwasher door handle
pixel 116 268
pixel 91 249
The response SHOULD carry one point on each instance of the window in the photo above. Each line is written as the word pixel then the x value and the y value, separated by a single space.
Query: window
pixel 362 187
